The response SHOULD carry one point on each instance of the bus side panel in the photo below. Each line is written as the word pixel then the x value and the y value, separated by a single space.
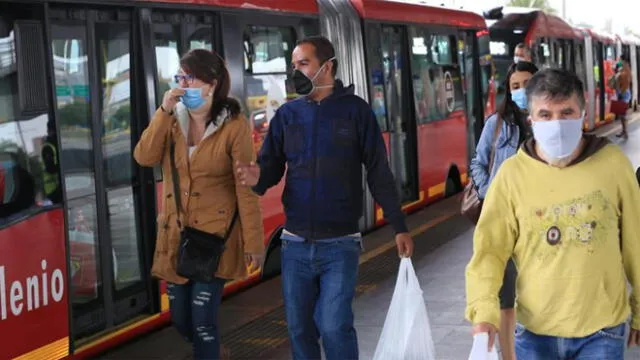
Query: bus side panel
pixel 34 316
pixel 441 144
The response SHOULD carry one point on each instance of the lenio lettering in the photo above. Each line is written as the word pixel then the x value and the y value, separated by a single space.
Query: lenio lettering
pixel 37 290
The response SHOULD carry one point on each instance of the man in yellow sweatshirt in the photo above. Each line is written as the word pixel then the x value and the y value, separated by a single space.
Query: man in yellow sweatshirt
pixel 566 207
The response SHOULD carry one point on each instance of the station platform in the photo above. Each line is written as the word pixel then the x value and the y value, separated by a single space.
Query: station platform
pixel 253 324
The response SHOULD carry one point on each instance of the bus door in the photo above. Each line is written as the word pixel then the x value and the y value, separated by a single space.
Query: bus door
pixel 402 126
pixel 476 79
pixel 93 56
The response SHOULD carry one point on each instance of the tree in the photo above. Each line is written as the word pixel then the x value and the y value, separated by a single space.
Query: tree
pixel 74 114
pixel 538 4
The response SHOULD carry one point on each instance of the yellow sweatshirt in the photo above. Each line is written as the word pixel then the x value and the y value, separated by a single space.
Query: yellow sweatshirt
pixel 573 232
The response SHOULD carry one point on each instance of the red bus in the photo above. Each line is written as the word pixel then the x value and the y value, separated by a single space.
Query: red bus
pixel 74 273
pixel 550 38
pixel 630 44
pixel 555 43
pixel 601 54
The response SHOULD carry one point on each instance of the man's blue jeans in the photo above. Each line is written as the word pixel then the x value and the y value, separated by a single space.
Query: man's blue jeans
pixel 318 284
pixel 605 344
pixel 194 313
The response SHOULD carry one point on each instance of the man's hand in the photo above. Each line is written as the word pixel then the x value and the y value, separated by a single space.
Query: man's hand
pixel 486 328
pixel 254 261
pixel 634 338
pixel 248 173
pixel 404 242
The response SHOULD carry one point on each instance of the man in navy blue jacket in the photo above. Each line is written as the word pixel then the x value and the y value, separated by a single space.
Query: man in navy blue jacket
pixel 324 137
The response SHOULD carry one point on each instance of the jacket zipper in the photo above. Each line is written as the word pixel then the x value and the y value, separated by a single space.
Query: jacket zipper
pixel 313 178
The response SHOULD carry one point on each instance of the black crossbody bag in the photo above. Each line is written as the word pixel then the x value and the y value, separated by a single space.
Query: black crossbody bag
pixel 200 252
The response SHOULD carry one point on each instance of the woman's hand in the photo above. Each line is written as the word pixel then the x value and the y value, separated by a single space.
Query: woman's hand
pixel 171 98
pixel 254 261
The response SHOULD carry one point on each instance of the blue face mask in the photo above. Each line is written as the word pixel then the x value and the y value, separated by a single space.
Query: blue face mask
pixel 558 139
pixel 517 59
pixel 192 98
pixel 520 98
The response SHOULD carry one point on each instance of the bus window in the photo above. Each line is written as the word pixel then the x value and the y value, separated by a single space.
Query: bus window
pixel 579 63
pixel 267 58
pixel 486 65
pixel 28 145
pixel 199 31
pixel 437 84
pixel 558 59
pixel 610 53
pixel 169 47
pixel 544 54
pixel 569 55
pixel 441 49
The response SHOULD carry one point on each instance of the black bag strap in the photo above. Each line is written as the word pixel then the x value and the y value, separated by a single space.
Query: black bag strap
pixel 176 190
pixel 233 222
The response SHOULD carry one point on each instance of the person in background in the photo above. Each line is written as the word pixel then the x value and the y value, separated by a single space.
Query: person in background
pixel 51 173
pixel 322 139
pixel 623 89
pixel 503 144
pixel 566 208
pixel 522 53
pixel 17 189
pixel 210 134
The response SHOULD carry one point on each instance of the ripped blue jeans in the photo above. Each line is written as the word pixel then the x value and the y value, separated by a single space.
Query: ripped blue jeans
pixel 194 313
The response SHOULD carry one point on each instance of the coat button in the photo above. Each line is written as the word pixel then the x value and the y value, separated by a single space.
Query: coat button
pixel 186 193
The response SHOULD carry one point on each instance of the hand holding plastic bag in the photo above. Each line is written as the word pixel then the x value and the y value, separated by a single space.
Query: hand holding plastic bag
pixel 480 351
pixel 406 334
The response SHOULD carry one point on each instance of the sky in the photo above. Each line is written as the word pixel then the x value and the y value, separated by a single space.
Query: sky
pixel 623 12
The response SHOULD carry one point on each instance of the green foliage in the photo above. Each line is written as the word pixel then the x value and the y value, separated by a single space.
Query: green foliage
pixel 74 114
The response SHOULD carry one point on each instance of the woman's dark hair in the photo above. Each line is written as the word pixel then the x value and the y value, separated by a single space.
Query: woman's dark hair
pixel 508 110
pixel 208 66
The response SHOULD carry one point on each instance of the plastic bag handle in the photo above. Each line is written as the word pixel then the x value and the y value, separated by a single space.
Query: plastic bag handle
pixel 407 278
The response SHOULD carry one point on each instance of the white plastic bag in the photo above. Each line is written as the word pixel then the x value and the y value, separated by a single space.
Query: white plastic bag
pixel 406 334
pixel 480 346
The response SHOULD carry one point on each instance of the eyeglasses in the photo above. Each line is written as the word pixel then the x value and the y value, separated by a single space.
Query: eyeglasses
pixel 186 78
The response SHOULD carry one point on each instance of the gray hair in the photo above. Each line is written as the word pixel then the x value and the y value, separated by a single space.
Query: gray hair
pixel 556 84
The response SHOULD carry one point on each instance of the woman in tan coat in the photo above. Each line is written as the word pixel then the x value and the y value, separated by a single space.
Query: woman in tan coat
pixel 210 135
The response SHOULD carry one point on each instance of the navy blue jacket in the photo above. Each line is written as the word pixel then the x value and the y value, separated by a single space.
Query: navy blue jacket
pixel 324 146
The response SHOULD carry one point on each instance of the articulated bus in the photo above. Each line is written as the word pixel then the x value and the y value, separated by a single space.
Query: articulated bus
pixel 555 43
pixel 74 272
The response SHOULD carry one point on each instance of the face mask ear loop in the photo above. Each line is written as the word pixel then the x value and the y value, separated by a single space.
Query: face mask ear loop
pixel 321 67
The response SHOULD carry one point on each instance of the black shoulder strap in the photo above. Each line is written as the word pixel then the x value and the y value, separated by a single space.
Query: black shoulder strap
pixel 233 221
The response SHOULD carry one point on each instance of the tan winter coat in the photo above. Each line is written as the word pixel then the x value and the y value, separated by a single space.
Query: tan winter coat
pixel 209 191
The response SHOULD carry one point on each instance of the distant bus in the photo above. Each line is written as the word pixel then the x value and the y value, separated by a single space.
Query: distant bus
pixel 74 275
pixel 555 43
